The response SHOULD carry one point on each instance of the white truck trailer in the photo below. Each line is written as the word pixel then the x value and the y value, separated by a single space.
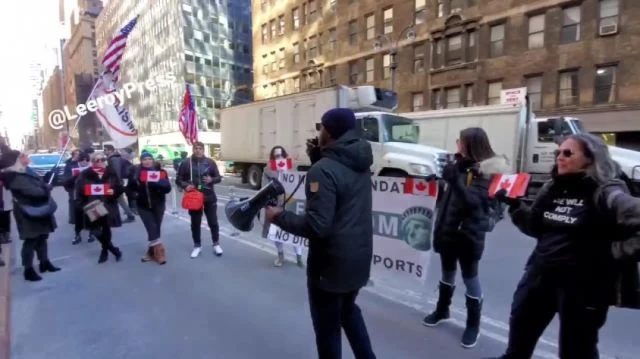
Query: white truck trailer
pixel 249 131
pixel 528 142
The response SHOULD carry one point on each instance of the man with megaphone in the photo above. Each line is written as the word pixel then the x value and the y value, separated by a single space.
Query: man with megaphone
pixel 337 222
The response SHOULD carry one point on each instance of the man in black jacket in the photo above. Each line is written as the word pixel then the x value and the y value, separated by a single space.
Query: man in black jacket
pixel 337 222
pixel 119 164
pixel 201 173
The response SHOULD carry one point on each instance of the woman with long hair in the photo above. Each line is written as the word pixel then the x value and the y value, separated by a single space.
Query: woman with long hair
pixel 80 165
pixel 33 210
pixel 278 153
pixel 587 231
pixel 149 185
pixel 461 226
pixel 99 187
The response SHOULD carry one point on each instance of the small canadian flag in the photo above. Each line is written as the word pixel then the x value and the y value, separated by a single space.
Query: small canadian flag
pixel 285 164
pixel 515 185
pixel 152 176
pixel 96 189
pixel 421 187
pixel 76 171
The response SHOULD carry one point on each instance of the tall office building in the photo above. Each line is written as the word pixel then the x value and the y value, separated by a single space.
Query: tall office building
pixel 204 43
pixel 576 58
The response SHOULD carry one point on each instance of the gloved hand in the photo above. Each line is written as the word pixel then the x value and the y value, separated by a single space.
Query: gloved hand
pixel 313 150
pixel 501 196
pixel 450 173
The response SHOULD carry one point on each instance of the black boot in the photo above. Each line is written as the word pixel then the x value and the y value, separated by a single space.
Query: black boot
pixel 472 330
pixel 31 275
pixel 77 240
pixel 116 252
pixel 2 264
pixel 92 238
pixel 48 267
pixel 104 255
pixel 442 308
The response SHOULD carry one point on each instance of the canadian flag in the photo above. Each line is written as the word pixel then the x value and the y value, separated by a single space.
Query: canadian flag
pixel 96 189
pixel 76 171
pixel 152 176
pixel 285 164
pixel 421 187
pixel 515 185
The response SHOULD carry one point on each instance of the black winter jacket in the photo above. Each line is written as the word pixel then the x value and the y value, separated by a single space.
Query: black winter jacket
pixel 119 165
pixel 148 194
pixel 337 219
pixel 196 168
pixel 462 217
pixel 88 178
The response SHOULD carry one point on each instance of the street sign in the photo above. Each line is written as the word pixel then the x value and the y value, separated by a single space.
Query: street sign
pixel 514 96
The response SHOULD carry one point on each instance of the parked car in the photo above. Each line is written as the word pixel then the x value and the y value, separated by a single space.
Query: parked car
pixel 43 164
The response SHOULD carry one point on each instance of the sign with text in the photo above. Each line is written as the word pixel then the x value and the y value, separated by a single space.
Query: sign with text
pixel 402 218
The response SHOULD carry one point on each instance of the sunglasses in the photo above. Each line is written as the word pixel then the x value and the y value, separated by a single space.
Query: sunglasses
pixel 100 160
pixel 565 153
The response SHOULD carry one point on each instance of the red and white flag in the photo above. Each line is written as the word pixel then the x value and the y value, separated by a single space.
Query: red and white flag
pixel 152 176
pixel 76 171
pixel 421 187
pixel 515 185
pixel 284 164
pixel 188 121
pixel 96 189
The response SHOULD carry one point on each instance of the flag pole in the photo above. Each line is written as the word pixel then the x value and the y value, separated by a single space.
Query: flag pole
pixel 66 145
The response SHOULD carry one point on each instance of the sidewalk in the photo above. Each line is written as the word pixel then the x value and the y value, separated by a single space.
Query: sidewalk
pixel 5 302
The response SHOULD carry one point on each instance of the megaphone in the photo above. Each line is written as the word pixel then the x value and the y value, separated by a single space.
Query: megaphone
pixel 240 213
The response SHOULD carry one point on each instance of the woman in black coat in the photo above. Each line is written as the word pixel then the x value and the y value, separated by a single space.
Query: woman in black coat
pixel 461 225
pixel 101 183
pixel 74 170
pixel 33 210
pixel 149 184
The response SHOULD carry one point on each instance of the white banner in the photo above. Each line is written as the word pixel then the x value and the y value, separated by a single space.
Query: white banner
pixel 402 219
pixel 115 118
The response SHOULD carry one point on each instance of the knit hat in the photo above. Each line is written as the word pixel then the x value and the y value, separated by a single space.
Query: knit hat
pixel 9 158
pixel 337 121
pixel 83 156
pixel 145 154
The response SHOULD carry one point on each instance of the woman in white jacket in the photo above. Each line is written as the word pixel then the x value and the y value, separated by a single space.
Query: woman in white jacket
pixel 278 153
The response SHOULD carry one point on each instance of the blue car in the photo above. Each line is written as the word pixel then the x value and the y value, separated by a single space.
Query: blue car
pixel 43 164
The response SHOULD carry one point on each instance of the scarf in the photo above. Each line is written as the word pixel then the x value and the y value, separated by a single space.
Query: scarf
pixel 98 170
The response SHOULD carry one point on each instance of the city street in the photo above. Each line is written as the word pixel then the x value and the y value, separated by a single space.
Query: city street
pixel 240 306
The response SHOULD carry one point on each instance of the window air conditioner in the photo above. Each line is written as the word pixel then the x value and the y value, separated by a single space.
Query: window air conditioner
pixel 609 29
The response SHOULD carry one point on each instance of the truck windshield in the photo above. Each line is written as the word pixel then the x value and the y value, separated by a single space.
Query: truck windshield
pixel 578 126
pixel 399 129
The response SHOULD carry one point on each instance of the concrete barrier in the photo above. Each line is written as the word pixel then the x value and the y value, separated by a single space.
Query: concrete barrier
pixel 5 303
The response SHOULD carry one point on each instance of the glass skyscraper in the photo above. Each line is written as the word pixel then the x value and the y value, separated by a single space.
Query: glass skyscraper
pixel 206 43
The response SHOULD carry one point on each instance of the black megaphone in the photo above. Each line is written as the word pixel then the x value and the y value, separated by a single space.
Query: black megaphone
pixel 240 213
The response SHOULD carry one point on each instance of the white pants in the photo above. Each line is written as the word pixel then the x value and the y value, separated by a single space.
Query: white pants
pixel 280 247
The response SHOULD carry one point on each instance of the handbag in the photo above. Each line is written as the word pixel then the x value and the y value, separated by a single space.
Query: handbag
pixel 38 212
pixel 193 200
pixel 95 210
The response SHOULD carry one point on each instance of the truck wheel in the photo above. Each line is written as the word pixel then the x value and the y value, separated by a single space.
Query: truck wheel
pixel 254 176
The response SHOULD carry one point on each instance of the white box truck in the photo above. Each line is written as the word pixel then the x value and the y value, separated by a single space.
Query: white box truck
pixel 249 131
pixel 528 142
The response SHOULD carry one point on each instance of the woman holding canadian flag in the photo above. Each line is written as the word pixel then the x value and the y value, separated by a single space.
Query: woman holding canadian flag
pixel 150 184
pixel 99 187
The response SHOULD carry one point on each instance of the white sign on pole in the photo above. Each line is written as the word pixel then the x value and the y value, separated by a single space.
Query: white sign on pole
pixel 514 96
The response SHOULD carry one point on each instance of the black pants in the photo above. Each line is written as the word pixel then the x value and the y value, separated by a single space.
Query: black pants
pixel 152 220
pixel 78 224
pixel 210 210
pixel 73 213
pixel 37 245
pixel 102 232
pixel 468 267
pixel 5 221
pixel 542 294
pixel 331 312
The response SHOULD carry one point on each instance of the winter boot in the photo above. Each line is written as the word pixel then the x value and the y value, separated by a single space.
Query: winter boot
pixel 442 308
pixel 158 253
pixel 279 260
pixel 92 238
pixel 48 267
pixel 472 330
pixel 299 260
pixel 116 252
pixel 31 275
pixel 148 256
pixel 76 240
pixel 104 255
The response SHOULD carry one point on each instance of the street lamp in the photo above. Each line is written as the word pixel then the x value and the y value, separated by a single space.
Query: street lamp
pixel 408 33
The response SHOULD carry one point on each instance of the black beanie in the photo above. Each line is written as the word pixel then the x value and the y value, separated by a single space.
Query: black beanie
pixel 337 121
pixel 9 158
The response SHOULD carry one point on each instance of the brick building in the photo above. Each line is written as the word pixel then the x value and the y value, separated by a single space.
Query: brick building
pixel 576 58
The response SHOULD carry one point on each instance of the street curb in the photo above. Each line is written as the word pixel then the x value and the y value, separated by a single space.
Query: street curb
pixel 5 304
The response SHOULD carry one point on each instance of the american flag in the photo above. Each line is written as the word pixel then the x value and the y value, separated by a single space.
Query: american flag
pixel 115 50
pixel 188 123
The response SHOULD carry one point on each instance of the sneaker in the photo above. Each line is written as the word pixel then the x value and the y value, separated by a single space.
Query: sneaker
pixel 217 250
pixel 92 238
pixel 196 252
pixel 279 260
pixel 76 240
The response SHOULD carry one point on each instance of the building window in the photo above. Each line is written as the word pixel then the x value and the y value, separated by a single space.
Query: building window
pixel 441 8
pixel 472 52
pixel 568 88
pixel 296 84
pixel 370 70
pixel 418 58
pixel 331 74
pixel 313 11
pixel 417 101
pixel 295 16
pixel 353 32
pixel 605 86
pixel 332 39
pixel 493 92
pixel 453 97
pixel 353 73
pixel 282 25
pixel 469 95
pixel 333 4
pixel 282 58
pixel 296 53
pixel 456 6
pixel 497 40
pixel 534 91
pixel 370 21
pixel 265 64
pixel 274 28
pixel 420 12
pixel 436 102
pixel 570 25
pixel 387 16
pixel 536 31
pixel 313 47
pixel 609 16
pixel 265 33
pixel 436 54
pixel 386 66
pixel 274 62
pixel 454 50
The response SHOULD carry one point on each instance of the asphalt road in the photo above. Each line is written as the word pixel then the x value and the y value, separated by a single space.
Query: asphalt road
pixel 239 306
